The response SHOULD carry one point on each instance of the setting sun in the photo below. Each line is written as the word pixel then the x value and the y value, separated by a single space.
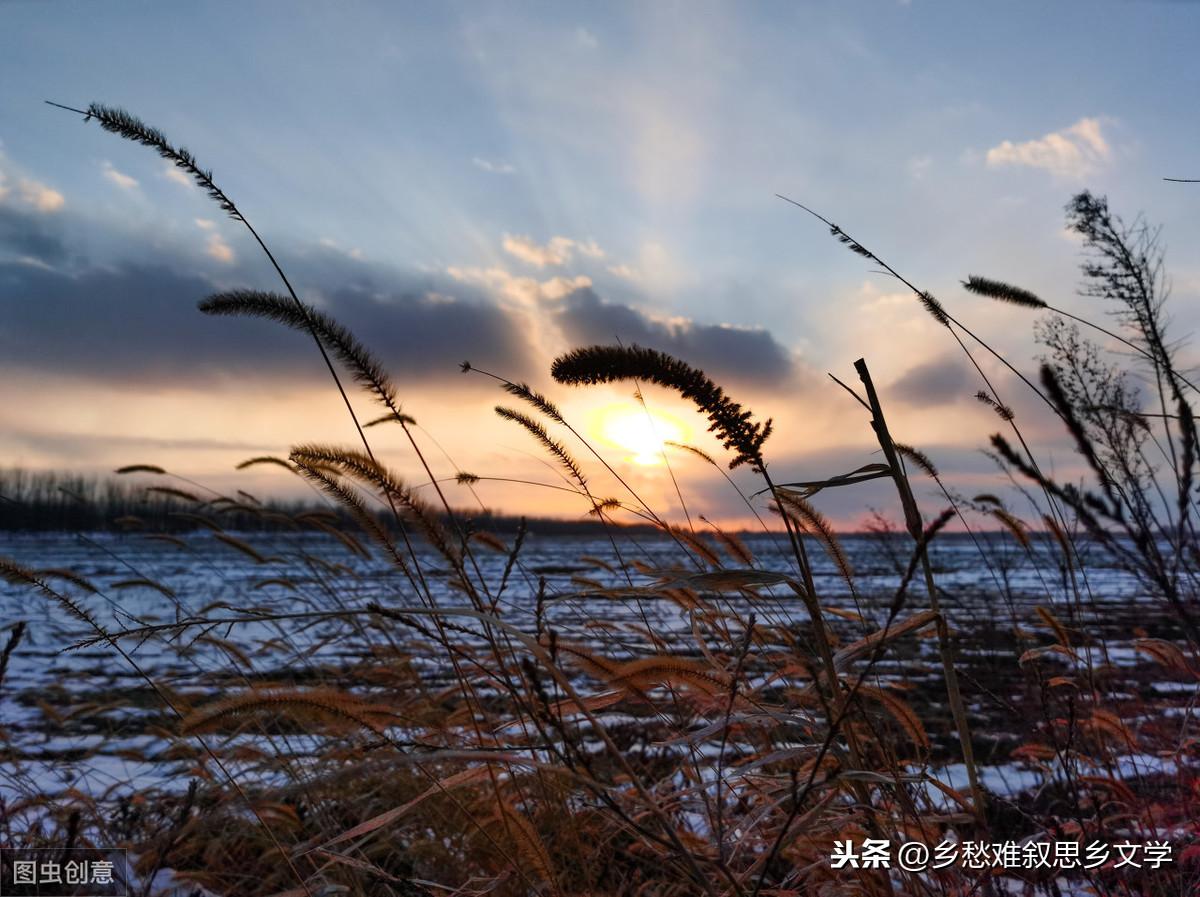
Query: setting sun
pixel 639 431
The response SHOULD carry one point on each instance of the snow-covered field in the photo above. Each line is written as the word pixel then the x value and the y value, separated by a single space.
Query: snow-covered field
pixel 68 723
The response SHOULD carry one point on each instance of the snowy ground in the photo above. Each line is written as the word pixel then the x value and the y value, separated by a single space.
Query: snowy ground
pixel 65 728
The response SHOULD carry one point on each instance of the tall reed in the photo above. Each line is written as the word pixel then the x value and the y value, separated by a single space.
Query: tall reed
pixel 420 707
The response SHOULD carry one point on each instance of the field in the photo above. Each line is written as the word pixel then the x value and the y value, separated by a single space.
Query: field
pixel 82 731
pixel 380 696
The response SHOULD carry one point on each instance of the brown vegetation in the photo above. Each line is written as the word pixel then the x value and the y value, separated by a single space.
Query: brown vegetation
pixel 571 754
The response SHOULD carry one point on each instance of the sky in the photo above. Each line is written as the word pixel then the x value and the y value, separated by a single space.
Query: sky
pixel 500 183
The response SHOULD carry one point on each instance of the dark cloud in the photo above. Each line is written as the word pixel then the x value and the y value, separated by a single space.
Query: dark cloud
pixel 24 234
pixel 725 353
pixel 423 333
pixel 936 382
pixel 134 320
pixel 75 445
pixel 139 323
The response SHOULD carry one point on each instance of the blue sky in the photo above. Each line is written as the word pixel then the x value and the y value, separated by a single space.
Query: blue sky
pixel 509 179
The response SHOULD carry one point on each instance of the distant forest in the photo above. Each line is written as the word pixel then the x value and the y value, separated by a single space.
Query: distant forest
pixel 48 501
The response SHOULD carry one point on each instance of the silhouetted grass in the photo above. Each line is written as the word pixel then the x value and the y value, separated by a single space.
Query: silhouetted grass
pixel 418 709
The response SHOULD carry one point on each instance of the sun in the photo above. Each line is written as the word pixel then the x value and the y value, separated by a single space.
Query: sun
pixel 640 432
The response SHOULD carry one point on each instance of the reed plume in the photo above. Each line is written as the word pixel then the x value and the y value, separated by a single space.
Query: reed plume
pixel 1004 292
pixel 852 244
pixel 126 125
pixel 1002 411
pixel 366 470
pixel 607 364
pixel 548 442
pixel 623 799
pixel 298 704
pixel 354 505
pixel 917 457
pixel 129 126
pixel 536 399
pixel 18 574
pixel 366 370
pixel 813 522
pixel 934 308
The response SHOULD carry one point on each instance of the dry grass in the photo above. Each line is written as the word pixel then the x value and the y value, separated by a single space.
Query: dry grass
pixel 469 735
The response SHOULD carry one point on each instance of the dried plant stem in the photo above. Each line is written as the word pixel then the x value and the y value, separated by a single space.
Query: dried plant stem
pixel 950 323
pixel 123 124
pixel 837 705
pixel 126 126
pixel 912 517
pixel 104 635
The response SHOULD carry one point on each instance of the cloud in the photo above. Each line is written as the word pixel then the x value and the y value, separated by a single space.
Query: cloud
pixel 171 173
pixel 215 247
pixel 556 252
pixel 591 249
pixel 122 180
pixel 32 193
pixel 623 271
pixel 218 249
pixel 130 319
pixel 137 324
pixel 586 39
pixel 746 355
pixel 493 167
pixel 69 445
pixel 938 382
pixel 29 236
pixel 1072 152
pixel 562 312
pixel 522 292
pixel 41 197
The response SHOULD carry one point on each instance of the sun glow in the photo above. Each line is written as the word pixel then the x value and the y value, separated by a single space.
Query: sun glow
pixel 640 432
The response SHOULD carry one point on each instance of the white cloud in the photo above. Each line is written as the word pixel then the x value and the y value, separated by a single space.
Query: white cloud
pixel 1072 152
pixel 216 247
pixel 524 292
pixel 623 271
pixel 41 197
pixel 32 262
pixel 219 249
pixel 30 192
pixel 122 180
pixel 171 173
pixel 526 297
pixel 558 251
pixel 586 39
pixel 493 167
pixel 591 249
